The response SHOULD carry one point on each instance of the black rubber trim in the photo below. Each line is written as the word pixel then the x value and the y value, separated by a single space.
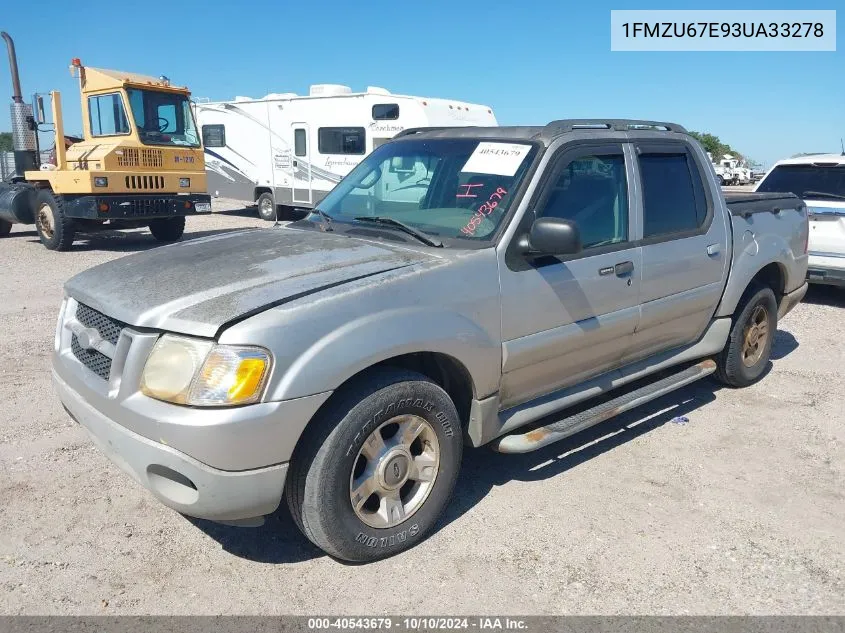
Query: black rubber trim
pixel 745 204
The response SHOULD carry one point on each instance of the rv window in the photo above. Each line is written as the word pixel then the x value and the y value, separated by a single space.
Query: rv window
pixel 299 142
pixel 386 111
pixel 341 140
pixel 214 135
pixel 107 116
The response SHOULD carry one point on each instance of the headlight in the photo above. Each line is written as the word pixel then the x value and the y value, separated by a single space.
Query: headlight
pixel 184 182
pixel 101 181
pixel 199 373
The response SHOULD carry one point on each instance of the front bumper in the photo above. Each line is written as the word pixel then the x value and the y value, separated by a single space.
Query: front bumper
pixel 219 463
pixel 136 207
pixel 826 268
pixel 177 480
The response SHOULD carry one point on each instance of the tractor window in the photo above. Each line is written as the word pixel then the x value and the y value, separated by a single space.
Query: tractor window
pixel 163 118
pixel 107 115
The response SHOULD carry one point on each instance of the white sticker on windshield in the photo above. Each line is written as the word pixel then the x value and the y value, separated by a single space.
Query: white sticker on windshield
pixel 502 159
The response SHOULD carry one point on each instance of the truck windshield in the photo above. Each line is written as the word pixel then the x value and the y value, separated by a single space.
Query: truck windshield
pixel 163 118
pixel 806 181
pixel 450 188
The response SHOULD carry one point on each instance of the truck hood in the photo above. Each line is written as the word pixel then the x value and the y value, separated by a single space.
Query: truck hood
pixel 199 286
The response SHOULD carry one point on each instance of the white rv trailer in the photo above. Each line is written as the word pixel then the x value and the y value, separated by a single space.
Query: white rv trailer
pixel 289 151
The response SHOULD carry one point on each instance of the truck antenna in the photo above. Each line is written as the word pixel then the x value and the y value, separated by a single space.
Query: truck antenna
pixel 842 143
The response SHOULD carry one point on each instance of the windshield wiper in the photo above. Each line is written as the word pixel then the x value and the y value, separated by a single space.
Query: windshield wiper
pixel 326 225
pixel 405 228
pixel 822 194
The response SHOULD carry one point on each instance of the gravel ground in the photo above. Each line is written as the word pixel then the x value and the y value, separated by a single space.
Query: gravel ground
pixel 740 510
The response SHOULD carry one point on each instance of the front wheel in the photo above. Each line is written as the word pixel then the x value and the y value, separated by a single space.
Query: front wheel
pixel 168 229
pixel 376 468
pixel 55 230
pixel 266 207
pixel 749 346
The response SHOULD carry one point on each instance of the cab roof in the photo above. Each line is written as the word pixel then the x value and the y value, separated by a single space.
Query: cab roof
pixel 814 159
pixel 106 79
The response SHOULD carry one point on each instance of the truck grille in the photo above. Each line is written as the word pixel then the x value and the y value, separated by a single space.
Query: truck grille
pixel 108 328
pixel 144 182
pixel 129 157
pixel 151 158
pixel 147 206
pixel 97 362
pixel 133 157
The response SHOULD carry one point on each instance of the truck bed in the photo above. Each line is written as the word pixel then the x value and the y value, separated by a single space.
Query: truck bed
pixel 745 204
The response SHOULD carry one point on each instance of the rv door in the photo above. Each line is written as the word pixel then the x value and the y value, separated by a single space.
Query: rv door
pixel 301 165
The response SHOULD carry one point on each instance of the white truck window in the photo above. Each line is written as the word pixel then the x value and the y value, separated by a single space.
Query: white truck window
pixel 341 140
pixel 386 111
pixel 299 141
pixel 214 135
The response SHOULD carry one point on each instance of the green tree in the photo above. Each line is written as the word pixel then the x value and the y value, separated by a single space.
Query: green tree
pixel 5 141
pixel 715 146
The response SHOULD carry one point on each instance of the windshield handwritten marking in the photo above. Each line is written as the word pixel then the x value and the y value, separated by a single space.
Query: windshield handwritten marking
pixel 484 210
pixel 468 193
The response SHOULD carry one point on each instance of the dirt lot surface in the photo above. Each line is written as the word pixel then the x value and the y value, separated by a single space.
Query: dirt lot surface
pixel 739 510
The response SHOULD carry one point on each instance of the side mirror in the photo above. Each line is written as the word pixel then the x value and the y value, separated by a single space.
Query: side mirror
pixel 38 102
pixel 552 236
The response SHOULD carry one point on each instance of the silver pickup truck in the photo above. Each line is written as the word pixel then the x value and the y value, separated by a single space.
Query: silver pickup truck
pixel 463 286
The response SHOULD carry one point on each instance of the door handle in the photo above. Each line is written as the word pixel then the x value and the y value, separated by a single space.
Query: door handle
pixel 294 163
pixel 713 249
pixel 623 268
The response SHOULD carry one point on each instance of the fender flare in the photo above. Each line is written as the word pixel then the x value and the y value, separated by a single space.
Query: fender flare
pixel 370 339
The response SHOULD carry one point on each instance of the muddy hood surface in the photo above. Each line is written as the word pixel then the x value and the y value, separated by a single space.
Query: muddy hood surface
pixel 197 287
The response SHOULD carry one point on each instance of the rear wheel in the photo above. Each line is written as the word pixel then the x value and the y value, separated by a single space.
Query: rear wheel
pixel 266 206
pixel 55 230
pixel 377 467
pixel 168 229
pixel 746 354
pixel 5 228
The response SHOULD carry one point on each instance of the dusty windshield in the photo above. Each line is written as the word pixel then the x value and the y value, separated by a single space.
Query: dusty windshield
pixel 447 188
pixel 163 118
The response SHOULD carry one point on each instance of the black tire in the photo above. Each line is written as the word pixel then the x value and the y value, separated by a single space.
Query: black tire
pixel 168 229
pixel 267 207
pixel 5 228
pixel 731 368
pixel 318 482
pixel 55 230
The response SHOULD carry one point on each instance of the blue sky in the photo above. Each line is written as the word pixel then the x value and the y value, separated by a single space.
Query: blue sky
pixel 531 61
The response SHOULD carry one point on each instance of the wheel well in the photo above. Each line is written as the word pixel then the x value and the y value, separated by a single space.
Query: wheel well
pixel 446 371
pixel 259 190
pixel 771 276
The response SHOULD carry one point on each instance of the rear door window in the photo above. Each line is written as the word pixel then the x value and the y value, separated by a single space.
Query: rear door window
pixel 673 194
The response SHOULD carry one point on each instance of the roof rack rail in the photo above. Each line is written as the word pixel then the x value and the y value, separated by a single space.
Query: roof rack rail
pixel 619 125
pixel 419 130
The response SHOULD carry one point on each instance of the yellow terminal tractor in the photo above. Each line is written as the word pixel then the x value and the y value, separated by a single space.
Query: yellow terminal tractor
pixel 140 162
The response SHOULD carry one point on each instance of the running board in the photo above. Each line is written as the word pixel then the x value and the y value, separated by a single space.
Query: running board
pixel 556 431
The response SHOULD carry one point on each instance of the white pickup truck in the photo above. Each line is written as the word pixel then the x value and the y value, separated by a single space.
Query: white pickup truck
pixel 820 181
